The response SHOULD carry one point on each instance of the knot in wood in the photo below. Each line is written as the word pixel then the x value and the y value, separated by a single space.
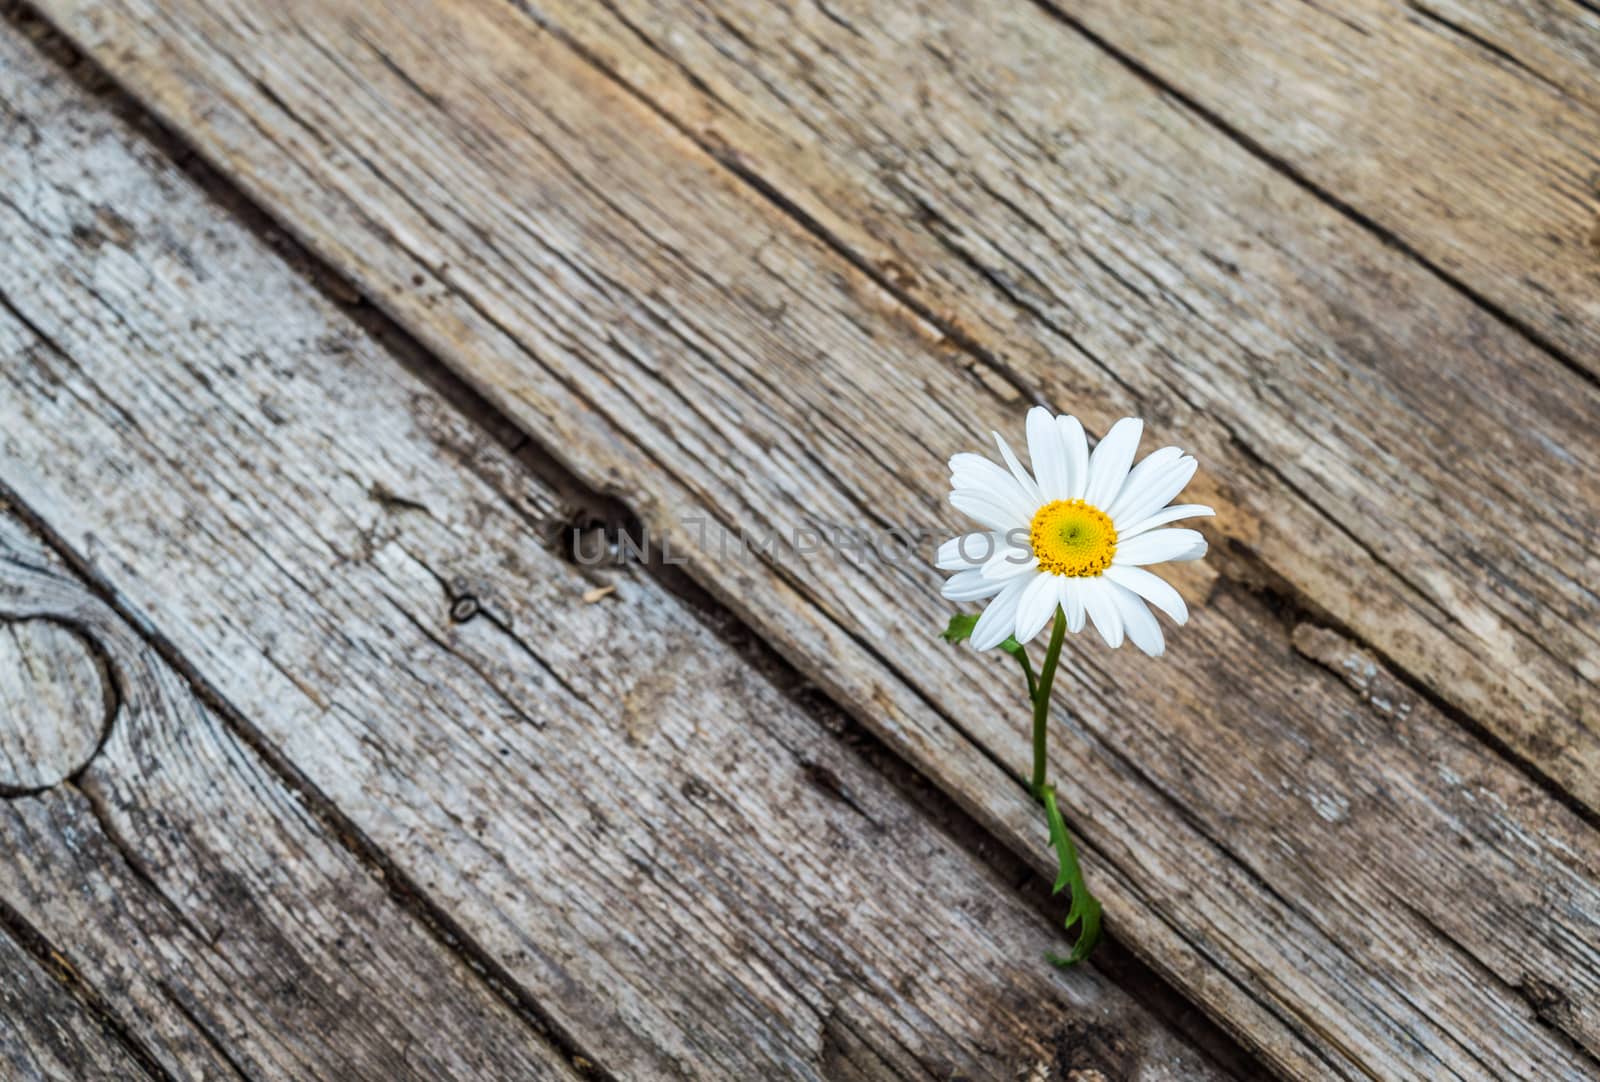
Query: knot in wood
pixel 56 701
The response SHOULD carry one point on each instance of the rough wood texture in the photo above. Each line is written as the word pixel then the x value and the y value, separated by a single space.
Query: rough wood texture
pixel 690 875
pixel 1260 831
pixel 1118 255
pixel 46 1035
pixel 54 704
pixel 1186 281
pixel 1467 129
pixel 182 881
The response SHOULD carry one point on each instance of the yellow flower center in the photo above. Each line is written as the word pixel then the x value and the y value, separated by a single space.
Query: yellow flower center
pixel 1073 538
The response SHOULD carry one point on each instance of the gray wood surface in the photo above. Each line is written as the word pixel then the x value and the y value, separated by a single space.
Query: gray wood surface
pixel 1464 129
pixel 684 870
pixel 1399 459
pixel 205 906
pixel 54 704
pixel 1270 837
pixel 45 1034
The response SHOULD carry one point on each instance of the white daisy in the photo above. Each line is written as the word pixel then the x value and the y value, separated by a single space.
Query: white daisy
pixel 1077 533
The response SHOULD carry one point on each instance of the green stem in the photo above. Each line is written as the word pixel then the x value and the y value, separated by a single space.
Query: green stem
pixel 1085 909
pixel 1027 671
pixel 1041 698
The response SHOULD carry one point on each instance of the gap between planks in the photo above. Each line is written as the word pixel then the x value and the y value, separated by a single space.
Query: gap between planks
pixel 338 825
pixel 52 965
pixel 1281 592
pixel 1123 967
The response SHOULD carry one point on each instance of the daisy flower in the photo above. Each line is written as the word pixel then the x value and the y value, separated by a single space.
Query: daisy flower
pixel 1078 533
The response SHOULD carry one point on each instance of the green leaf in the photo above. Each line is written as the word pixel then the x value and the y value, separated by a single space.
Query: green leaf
pixel 1088 937
pixel 1085 909
pixel 960 629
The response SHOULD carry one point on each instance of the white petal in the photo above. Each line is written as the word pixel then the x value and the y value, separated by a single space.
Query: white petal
pixel 1102 609
pixel 1008 563
pixel 1037 605
pixel 1155 474
pixel 1076 447
pixel 970 472
pixel 1153 492
pixel 970 586
pixel 1159 546
pixel 1137 620
pixel 1049 458
pixel 1108 466
pixel 1154 589
pixel 983 508
pixel 1000 618
pixel 1026 482
pixel 968 550
pixel 1072 602
pixel 1167 514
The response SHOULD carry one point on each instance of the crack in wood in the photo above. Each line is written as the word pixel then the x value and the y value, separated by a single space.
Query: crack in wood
pixel 400 888
pixel 60 969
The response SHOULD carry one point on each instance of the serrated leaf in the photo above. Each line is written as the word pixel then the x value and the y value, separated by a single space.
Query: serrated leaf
pixel 960 629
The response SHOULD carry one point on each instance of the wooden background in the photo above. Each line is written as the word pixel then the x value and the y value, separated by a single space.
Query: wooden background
pixel 325 327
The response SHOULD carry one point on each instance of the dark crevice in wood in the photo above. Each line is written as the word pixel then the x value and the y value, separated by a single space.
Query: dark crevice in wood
pixel 95 800
pixel 1029 392
pixel 216 1044
pixel 588 510
pixel 1293 608
pixel 1547 1003
pixel 1429 15
pixel 62 971
pixel 1283 167
pixel 1351 23
pixel 403 891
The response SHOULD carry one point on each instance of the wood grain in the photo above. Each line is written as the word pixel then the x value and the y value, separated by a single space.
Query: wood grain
pixel 1187 282
pixel 1335 386
pixel 1465 129
pixel 54 705
pixel 1256 826
pixel 181 880
pixel 45 1034
pixel 686 871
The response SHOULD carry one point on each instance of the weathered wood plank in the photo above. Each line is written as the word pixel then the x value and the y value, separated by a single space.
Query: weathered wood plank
pixel 186 884
pixel 1057 207
pixel 1185 281
pixel 47 670
pixel 1467 129
pixel 1557 44
pixel 629 304
pixel 45 1034
pixel 691 875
